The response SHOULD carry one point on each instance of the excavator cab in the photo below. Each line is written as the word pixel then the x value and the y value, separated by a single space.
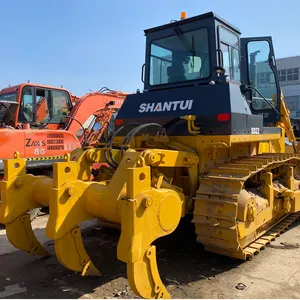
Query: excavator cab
pixel 35 105
pixel 50 122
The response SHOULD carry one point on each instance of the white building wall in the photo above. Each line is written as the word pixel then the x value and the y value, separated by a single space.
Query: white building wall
pixel 288 62
pixel 289 78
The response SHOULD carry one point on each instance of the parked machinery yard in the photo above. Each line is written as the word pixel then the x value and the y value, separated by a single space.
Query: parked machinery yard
pixel 202 139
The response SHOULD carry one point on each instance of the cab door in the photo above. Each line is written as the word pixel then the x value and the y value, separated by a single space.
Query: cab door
pixel 259 77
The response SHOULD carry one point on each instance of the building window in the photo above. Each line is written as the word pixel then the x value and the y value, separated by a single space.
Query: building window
pixel 262 79
pixel 282 75
pixel 288 75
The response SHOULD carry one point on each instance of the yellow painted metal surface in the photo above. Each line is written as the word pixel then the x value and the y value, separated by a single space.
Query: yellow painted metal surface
pixel 21 192
pixel 241 190
pixel 21 236
pixel 76 259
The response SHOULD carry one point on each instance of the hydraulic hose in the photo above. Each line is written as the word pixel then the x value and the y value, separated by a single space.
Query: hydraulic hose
pixel 111 163
pixel 107 153
pixel 134 131
pixel 110 139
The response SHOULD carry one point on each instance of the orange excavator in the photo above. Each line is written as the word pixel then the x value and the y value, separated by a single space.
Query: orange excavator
pixel 43 123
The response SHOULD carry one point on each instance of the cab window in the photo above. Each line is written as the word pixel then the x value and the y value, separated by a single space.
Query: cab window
pixel 60 106
pixel 229 46
pixel 42 105
pixel 27 106
pixel 181 57
pixel 261 75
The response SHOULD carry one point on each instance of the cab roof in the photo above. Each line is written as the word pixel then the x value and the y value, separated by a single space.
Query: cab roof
pixel 208 15
pixel 15 88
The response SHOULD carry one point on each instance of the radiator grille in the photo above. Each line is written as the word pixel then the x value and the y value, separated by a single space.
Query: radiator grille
pixel 55 135
pixel 55 141
pixel 55 147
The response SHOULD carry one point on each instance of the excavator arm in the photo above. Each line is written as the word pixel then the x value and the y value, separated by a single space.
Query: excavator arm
pixel 102 118
pixel 102 105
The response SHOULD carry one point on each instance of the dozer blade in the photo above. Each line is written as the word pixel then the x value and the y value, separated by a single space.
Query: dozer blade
pixel 70 252
pixel 20 234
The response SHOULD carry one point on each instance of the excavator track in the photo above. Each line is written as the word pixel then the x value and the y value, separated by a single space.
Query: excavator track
pixel 216 210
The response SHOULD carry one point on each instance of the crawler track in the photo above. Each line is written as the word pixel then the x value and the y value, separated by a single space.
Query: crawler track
pixel 216 206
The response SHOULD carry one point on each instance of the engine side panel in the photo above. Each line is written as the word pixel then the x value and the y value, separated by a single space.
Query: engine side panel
pixel 36 144
pixel 208 103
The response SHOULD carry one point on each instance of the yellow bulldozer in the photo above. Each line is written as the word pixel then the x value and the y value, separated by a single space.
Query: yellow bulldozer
pixel 205 138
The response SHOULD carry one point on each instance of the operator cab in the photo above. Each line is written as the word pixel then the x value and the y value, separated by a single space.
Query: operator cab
pixel 187 52
pixel 35 105
pixel 200 66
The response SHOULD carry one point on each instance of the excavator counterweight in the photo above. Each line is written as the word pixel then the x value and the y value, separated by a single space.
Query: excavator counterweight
pixel 205 138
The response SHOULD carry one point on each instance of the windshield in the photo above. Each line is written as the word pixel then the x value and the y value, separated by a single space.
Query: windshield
pixel 180 57
pixel 8 106
pixel 11 97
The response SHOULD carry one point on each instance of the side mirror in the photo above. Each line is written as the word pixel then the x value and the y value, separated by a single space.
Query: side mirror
pixel 220 70
pixel 221 73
